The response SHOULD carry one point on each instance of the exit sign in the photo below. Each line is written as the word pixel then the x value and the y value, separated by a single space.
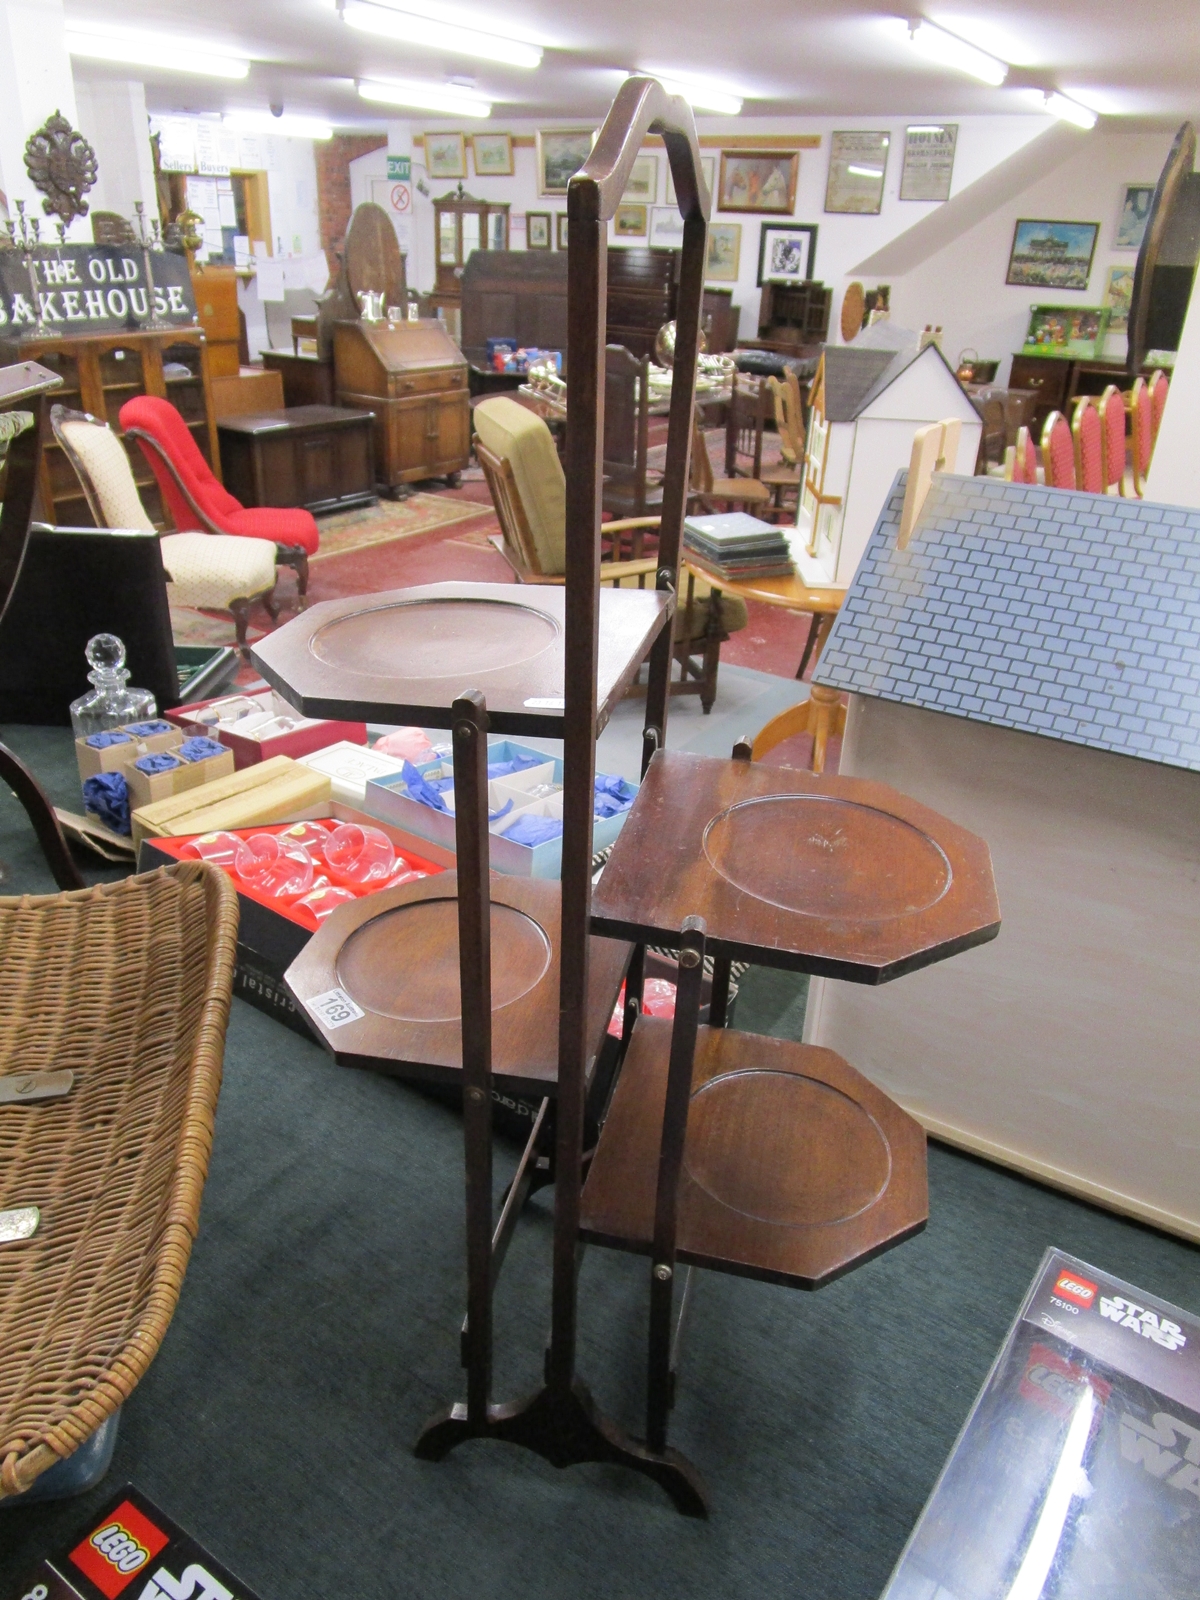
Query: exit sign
pixel 399 167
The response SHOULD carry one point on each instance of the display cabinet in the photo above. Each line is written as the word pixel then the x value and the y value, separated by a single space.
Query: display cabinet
pixel 414 378
pixel 462 224
pixel 100 373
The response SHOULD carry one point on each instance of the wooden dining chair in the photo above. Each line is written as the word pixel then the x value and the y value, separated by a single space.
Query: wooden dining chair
pixel 1088 436
pixel 783 479
pixel 707 493
pixel 1112 440
pixel 1058 452
pixel 630 488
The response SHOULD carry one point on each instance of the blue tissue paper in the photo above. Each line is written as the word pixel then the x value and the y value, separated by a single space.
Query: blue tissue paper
pixel 104 741
pixel 107 795
pixel 505 769
pixel 147 730
pixel 199 748
pixel 613 795
pixel 534 830
pixel 419 790
pixel 162 762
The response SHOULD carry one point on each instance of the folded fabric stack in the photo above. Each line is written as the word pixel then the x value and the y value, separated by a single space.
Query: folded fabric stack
pixel 736 545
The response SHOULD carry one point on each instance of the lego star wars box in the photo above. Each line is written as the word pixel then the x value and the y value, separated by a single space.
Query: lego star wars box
pixel 131 1549
pixel 1077 1473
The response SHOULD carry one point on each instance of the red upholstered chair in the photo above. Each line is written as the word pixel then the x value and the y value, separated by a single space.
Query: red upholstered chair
pixel 1089 446
pixel 1058 452
pixel 198 502
pixel 1112 438
pixel 1024 462
pixel 1158 400
pixel 1143 434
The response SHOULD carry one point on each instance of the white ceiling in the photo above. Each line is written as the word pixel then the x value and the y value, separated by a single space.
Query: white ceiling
pixel 1137 59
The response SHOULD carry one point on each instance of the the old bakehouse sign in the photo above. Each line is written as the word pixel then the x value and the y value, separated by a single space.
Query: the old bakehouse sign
pixel 94 288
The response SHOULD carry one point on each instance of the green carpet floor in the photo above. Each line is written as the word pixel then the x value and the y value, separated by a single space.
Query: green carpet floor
pixel 317 1331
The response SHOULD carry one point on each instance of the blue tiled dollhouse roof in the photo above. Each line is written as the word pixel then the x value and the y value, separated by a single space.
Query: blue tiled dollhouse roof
pixel 1073 616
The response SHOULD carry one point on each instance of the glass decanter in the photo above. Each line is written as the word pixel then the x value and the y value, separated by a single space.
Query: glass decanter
pixel 111 703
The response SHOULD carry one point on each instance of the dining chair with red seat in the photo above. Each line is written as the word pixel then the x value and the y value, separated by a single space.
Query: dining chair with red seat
pixel 198 501
pixel 1159 385
pixel 1058 452
pixel 1024 459
pixel 1142 431
pixel 1112 438
pixel 1089 446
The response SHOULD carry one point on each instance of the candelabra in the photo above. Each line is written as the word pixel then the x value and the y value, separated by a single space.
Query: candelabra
pixel 29 240
pixel 151 242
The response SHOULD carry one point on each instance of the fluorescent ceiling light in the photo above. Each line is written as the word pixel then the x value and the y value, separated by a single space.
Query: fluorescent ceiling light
pixel 949 51
pixel 436 33
pixel 1057 105
pixel 426 97
pixel 700 96
pixel 148 50
pixel 866 172
pixel 287 126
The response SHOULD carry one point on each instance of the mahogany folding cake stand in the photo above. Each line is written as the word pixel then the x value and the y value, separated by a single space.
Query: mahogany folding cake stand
pixel 763 1157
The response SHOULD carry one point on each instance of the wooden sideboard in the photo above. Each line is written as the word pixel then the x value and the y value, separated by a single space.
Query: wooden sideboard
pixel 414 378
pixel 100 373
pixel 1058 381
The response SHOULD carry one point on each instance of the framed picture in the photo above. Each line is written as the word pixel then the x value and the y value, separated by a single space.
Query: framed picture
pixel 446 155
pixel 630 222
pixel 1135 213
pixel 643 180
pixel 666 228
pixel 560 154
pixel 708 166
pixel 1068 331
pixel 758 180
pixel 560 230
pixel 928 161
pixel 1118 294
pixel 537 230
pixel 724 252
pixel 492 154
pixel 787 252
pixel 1052 255
pixel 857 168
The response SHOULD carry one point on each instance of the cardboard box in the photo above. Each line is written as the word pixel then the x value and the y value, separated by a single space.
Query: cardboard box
pixel 278 790
pixel 145 788
pixel 307 734
pixel 349 767
pixel 114 757
pixel 388 799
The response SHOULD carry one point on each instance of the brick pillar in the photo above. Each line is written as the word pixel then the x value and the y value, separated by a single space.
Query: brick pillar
pixel 333 187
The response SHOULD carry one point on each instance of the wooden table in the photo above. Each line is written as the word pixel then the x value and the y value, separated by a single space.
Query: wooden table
pixel 793 594
pixel 319 457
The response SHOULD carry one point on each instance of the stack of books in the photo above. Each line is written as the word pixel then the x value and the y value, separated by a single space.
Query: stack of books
pixel 735 545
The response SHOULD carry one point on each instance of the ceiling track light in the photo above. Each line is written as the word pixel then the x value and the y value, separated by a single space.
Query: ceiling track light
pixel 948 50
pixel 145 50
pixel 1068 110
pixel 434 33
pixel 424 97
pixel 700 96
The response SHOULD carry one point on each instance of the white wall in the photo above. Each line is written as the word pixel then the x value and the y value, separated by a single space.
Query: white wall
pixel 35 81
pixel 112 117
pixel 959 282
pixel 842 241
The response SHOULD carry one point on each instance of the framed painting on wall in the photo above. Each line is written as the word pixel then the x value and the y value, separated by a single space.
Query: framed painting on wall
pixel 1135 213
pixel 629 222
pixel 708 166
pixel 643 180
pixel 446 155
pixel 1118 295
pixel 666 228
pixel 928 161
pixel 787 252
pixel 560 230
pixel 1052 255
pixel 492 154
pixel 857 168
pixel 758 180
pixel 724 252
pixel 537 230
pixel 560 154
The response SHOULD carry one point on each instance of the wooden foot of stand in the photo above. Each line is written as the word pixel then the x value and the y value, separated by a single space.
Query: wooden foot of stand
pixel 566 1429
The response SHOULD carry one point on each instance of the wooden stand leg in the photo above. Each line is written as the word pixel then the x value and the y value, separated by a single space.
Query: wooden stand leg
pixel 670 1164
pixel 718 1006
pixel 40 812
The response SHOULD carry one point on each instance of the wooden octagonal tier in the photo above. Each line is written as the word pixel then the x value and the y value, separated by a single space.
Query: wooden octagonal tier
pixel 403 655
pixel 380 982
pixel 795 1167
pixel 835 876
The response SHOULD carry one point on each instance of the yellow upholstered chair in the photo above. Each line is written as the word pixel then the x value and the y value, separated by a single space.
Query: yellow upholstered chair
pixel 525 476
pixel 214 571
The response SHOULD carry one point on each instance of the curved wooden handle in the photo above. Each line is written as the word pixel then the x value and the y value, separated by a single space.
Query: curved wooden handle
pixel 642 106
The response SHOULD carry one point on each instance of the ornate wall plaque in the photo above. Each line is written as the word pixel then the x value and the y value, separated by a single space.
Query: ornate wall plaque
pixel 62 164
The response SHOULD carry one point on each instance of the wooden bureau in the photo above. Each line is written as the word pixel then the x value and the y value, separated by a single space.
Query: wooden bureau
pixel 414 378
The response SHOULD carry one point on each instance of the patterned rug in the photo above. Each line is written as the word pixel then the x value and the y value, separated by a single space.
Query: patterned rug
pixel 349 531
pixel 714 440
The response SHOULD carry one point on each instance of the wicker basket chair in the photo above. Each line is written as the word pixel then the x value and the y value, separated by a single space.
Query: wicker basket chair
pixel 126 986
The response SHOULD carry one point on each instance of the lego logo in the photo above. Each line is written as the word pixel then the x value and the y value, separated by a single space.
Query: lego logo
pixel 118 1547
pixel 1076 1289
